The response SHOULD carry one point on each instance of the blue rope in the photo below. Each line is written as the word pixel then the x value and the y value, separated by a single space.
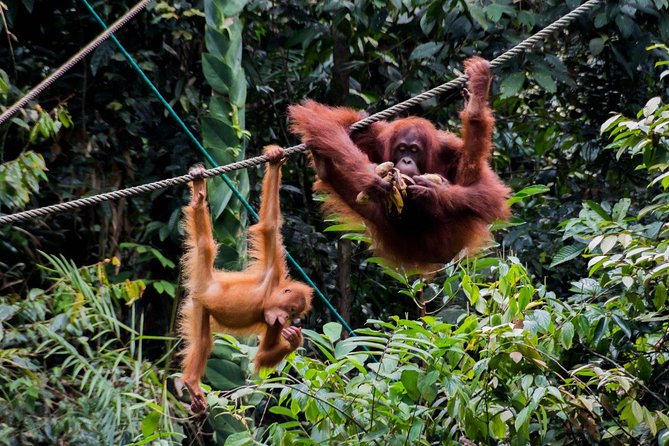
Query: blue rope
pixel 211 161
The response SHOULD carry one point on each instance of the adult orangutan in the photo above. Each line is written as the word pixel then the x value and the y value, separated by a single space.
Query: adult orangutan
pixel 451 192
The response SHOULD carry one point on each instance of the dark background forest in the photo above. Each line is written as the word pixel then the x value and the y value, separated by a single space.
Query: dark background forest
pixel 555 334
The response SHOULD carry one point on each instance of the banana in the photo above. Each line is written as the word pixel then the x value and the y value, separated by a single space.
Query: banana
pixel 433 178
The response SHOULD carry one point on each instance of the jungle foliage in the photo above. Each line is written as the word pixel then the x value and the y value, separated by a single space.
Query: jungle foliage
pixel 558 334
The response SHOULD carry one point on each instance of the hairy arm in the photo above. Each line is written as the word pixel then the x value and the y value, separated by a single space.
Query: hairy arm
pixel 276 344
pixel 478 123
pixel 338 160
pixel 266 243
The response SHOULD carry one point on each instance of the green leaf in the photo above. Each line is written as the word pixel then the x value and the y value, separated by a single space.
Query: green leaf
pixel 637 411
pixel 495 11
pixel 478 14
pixel 224 374
pixel 342 349
pixel 623 324
pixel 543 319
pixel 600 330
pixel 425 50
pixel 332 331
pixel 567 335
pixel 346 227
pixel 608 243
pixel 620 210
pixel 217 134
pixel 644 368
pixel 567 253
pixel 279 410
pixel 625 25
pixel 427 386
pixel 497 427
pixel 232 7
pixel 651 106
pixel 596 46
pixel 7 311
pixel 599 210
pixel 609 123
pixel 523 417
pixel 545 80
pixel 219 75
pixel 150 423
pixel 243 438
pixel 528 192
pixel 512 84
pixel 409 380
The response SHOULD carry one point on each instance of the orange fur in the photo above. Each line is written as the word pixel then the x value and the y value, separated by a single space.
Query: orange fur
pixel 261 300
pixel 438 221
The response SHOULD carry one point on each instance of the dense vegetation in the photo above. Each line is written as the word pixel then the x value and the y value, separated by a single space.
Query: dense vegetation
pixel 558 334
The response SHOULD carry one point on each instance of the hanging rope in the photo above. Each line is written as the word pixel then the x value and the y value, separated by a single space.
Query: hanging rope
pixel 402 106
pixel 32 94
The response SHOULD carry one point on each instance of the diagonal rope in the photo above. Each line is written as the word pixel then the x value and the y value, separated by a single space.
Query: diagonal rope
pixel 523 46
pixel 213 162
pixel 50 79
pixel 250 162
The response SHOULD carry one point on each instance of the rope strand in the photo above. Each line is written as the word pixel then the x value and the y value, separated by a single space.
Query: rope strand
pixel 39 88
pixel 250 162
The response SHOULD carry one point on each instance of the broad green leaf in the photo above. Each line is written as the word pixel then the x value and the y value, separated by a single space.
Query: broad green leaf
pixel 545 80
pixel 543 319
pixel 608 243
pixel 528 192
pixel 427 386
pixel 651 106
pixel 224 374
pixel 596 46
pixel 511 85
pixel 567 253
pixel 620 210
pixel 425 50
pixel 567 335
pixel 523 417
pixel 409 380
pixel 623 324
pixel 498 427
pixel 609 123
pixel 637 410
pixel 232 7
pixel 218 74
pixel 598 209
pixel 332 330
pixel 150 423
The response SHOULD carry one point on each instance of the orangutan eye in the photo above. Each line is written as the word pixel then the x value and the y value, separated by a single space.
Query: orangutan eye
pixel 401 147
pixel 414 148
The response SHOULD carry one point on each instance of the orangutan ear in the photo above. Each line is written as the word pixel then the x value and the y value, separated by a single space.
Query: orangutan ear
pixel 274 315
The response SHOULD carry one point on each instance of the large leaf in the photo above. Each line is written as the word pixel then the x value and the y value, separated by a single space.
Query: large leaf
pixel 224 374
pixel 566 253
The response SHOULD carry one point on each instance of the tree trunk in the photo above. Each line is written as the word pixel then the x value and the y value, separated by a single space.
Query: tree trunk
pixel 339 91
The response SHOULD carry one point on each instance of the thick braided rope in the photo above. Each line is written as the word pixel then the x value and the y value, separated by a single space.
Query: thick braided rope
pixel 32 94
pixel 250 162
pixel 137 190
